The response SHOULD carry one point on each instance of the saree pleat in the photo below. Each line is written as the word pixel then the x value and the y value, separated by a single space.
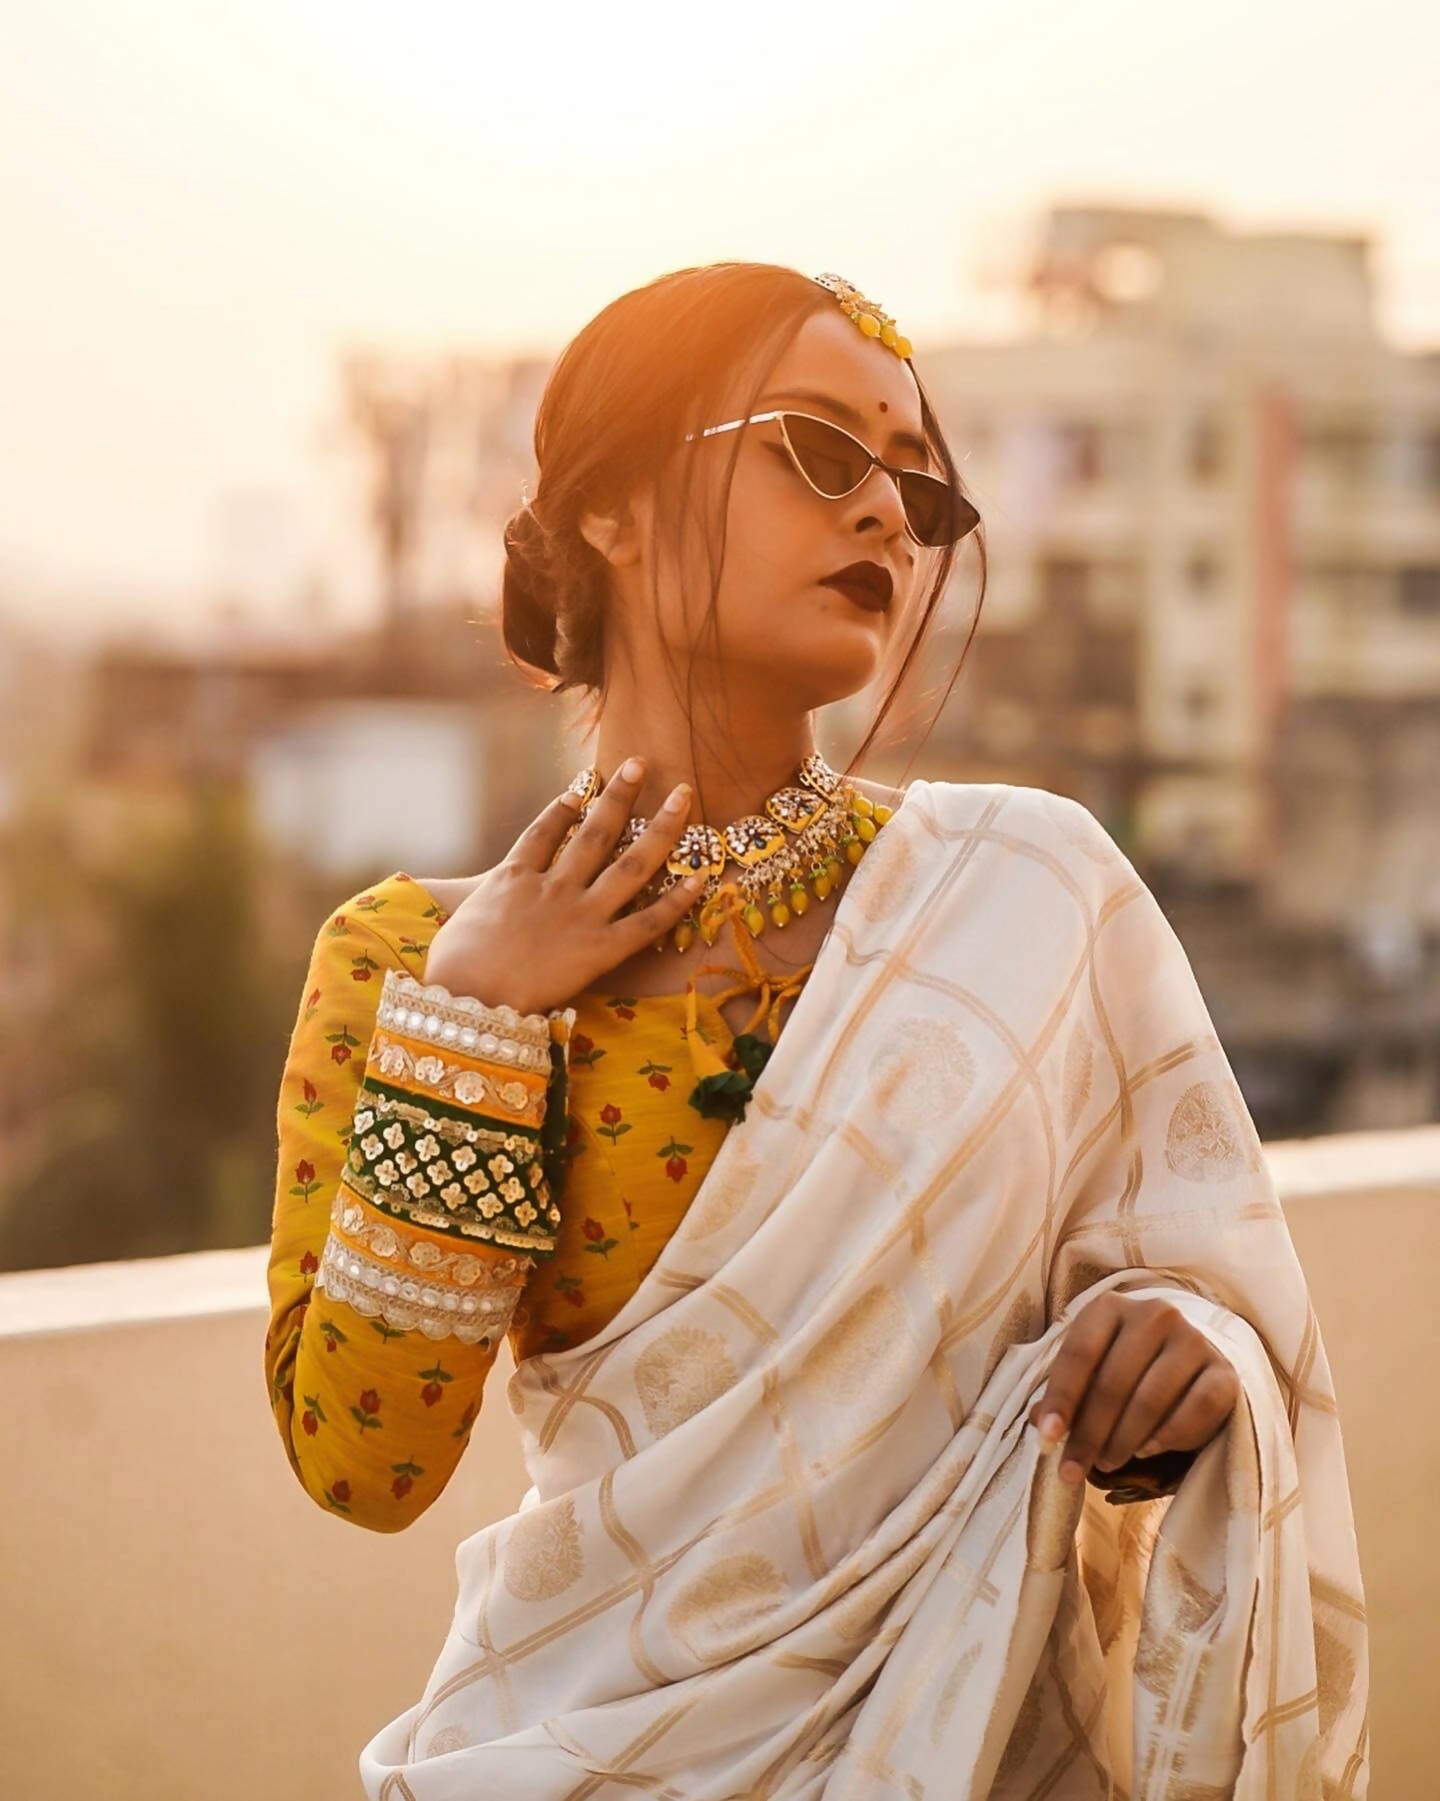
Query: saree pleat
pixel 789 1532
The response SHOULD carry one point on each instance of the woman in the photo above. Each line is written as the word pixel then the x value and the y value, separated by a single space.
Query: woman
pixel 829 1341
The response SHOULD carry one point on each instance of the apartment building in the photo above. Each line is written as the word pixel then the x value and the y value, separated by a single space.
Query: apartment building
pixel 1212 498
pixel 1211 495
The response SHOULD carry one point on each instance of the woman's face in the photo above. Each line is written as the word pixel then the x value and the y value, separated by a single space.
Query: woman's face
pixel 791 641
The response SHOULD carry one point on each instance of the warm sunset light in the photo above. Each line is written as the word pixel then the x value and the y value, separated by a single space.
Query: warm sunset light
pixel 202 206
pixel 719 900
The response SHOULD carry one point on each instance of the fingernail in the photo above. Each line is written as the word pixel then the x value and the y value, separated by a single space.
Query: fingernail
pixel 1070 1471
pixel 1148 1449
pixel 1052 1428
pixel 677 797
pixel 632 769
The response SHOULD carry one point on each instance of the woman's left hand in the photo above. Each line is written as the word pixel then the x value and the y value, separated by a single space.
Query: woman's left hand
pixel 1132 1378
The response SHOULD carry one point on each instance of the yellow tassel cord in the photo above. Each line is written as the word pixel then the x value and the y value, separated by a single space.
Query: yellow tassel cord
pixel 747 921
pixel 729 901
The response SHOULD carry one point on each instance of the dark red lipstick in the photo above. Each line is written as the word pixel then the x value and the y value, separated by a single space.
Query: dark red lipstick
pixel 867 584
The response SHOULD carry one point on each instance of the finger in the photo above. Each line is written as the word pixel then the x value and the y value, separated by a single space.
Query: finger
pixel 646 924
pixel 1157 1393
pixel 621 880
pixel 1139 1342
pixel 590 849
pixel 1081 1351
pixel 536 846
pixel 1200 1412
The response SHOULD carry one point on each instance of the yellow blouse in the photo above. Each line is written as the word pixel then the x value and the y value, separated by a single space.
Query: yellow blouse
pixel 451 1174
pixel 448 1192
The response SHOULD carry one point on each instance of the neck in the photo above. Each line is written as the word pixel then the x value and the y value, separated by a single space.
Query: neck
pixel 724 787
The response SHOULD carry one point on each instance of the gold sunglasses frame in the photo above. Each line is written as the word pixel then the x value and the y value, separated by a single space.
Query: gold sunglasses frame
pixel 893 470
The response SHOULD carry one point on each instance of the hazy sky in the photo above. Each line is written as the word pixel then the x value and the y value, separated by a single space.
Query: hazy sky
pixel 201 206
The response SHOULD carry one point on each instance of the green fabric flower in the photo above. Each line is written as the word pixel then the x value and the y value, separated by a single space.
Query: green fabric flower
pixel 724 1096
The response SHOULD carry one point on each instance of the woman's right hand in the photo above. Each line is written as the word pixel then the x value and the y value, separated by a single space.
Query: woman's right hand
pixel 533 937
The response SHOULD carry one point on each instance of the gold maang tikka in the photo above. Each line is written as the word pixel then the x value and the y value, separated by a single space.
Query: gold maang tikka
pixel 869 315
pixel 797 848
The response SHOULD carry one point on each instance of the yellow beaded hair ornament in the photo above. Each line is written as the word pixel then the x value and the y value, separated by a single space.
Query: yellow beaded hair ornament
pixel 869 315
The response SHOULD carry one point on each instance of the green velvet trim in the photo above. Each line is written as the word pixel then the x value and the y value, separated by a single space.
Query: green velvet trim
pixel 443 1108
pixel 554 1127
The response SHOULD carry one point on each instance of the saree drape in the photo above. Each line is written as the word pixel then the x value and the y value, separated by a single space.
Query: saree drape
pixel 790 1533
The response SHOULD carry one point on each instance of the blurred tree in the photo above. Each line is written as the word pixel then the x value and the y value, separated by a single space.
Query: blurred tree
pixel 157 1034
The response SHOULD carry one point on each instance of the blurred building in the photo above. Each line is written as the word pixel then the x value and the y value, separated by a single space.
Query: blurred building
pixel 445 444
pixel 41 713
pixel 1212 499
pixel 413 747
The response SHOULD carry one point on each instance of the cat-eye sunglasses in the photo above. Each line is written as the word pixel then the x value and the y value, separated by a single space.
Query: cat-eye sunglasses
pixel 834 463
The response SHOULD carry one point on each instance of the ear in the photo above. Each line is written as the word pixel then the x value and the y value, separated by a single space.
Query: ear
pixel 618 536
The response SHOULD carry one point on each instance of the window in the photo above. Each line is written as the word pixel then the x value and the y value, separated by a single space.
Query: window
pixel 1418 589
pixel 1116 590
pixel 1202 842
pixel 1338 454
pixel 1408 459
pixel 1079 452
pixel 1064 584
pixel 1207 449
pixel 1087 451
pixel 1347 586
pixel 1200 702
pixel 1203 574
pixel 1103 590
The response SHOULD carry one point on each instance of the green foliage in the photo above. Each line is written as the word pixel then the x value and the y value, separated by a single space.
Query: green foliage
pixel 155 1019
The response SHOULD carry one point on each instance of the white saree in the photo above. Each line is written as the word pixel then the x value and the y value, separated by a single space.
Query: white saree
pixel 790 1533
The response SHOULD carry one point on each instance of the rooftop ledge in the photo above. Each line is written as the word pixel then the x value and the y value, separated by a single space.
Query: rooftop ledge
pixel 197 1283
pixel 155 1512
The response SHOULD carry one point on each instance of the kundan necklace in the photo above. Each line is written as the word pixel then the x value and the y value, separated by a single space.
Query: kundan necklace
pixel 797 848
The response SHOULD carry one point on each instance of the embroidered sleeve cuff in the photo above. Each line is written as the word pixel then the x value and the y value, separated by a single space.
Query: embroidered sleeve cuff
pixel 431 1013
pixel 450 1113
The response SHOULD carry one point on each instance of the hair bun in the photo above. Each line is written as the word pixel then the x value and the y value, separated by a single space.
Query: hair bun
pixel 526 540
pixel 528 593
